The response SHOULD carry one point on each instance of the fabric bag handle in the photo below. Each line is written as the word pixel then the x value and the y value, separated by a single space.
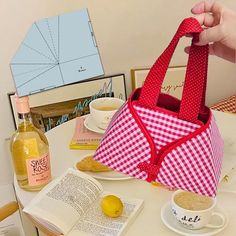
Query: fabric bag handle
pixel 193 96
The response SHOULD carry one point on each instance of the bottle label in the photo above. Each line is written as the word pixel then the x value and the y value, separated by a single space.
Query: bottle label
pixel 39 170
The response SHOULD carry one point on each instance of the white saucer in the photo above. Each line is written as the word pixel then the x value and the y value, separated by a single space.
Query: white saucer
pixel 169 220
pixel 106 175
pixel 109 175
pixel 89 124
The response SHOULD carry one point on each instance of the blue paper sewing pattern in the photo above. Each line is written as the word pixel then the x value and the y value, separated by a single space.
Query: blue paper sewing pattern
pixel 56 51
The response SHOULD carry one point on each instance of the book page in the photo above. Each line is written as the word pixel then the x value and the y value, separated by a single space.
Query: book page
pixel 94 222
pixel 64 200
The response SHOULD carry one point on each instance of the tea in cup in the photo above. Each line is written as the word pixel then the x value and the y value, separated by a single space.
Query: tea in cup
pixel 103 109
pixel 194 211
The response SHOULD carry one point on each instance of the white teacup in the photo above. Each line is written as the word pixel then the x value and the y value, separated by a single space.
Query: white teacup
pixel 103 109
pixel 194 211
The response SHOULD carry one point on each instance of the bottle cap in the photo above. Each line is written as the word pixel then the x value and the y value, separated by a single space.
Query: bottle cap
pixel 22 104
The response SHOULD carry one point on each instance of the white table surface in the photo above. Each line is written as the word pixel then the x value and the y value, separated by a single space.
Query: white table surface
pixel 149 221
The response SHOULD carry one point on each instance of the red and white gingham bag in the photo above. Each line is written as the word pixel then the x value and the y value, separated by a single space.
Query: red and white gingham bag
pixel 156 137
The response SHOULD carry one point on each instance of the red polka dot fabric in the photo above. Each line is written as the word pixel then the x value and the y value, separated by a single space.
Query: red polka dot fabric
pixel 195 80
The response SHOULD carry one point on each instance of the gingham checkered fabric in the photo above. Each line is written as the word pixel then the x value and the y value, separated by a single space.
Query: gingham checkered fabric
pixel 124 145
pixel 193 165
pixel 226 105
pixel 163 127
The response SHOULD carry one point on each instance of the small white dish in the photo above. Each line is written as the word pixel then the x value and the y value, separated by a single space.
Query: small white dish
pixel 169 220
pixel 90 125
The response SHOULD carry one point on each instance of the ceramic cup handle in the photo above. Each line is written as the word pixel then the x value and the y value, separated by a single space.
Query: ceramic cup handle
pixel 216 226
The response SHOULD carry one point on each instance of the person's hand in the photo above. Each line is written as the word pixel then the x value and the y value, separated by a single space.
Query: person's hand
pixel 220 31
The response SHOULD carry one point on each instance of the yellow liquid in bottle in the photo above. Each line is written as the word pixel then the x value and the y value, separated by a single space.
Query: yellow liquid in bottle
pixel 28 143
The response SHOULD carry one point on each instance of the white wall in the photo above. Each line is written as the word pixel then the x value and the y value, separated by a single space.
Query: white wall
pixel 129 33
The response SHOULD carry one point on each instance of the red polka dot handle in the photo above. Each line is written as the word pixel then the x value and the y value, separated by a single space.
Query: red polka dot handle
pixel 193 97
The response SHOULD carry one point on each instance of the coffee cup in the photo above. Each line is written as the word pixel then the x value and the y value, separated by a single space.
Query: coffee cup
pixel 194 211
pixel 103 109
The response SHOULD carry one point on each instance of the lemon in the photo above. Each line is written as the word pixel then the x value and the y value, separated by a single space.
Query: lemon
pixel 112 206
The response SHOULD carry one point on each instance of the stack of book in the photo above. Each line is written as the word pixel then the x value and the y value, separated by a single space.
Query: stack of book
pixel 83 138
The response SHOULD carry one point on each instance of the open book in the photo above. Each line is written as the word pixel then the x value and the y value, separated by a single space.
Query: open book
pixel 70 205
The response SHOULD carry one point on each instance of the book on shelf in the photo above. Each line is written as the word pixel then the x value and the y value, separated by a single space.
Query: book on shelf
pixel 70 205
pixel 83 138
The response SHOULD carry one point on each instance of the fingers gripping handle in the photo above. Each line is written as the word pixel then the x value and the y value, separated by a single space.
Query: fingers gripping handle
pixel 152 85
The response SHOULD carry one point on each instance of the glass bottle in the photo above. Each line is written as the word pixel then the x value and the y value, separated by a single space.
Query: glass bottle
pixel 29 150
